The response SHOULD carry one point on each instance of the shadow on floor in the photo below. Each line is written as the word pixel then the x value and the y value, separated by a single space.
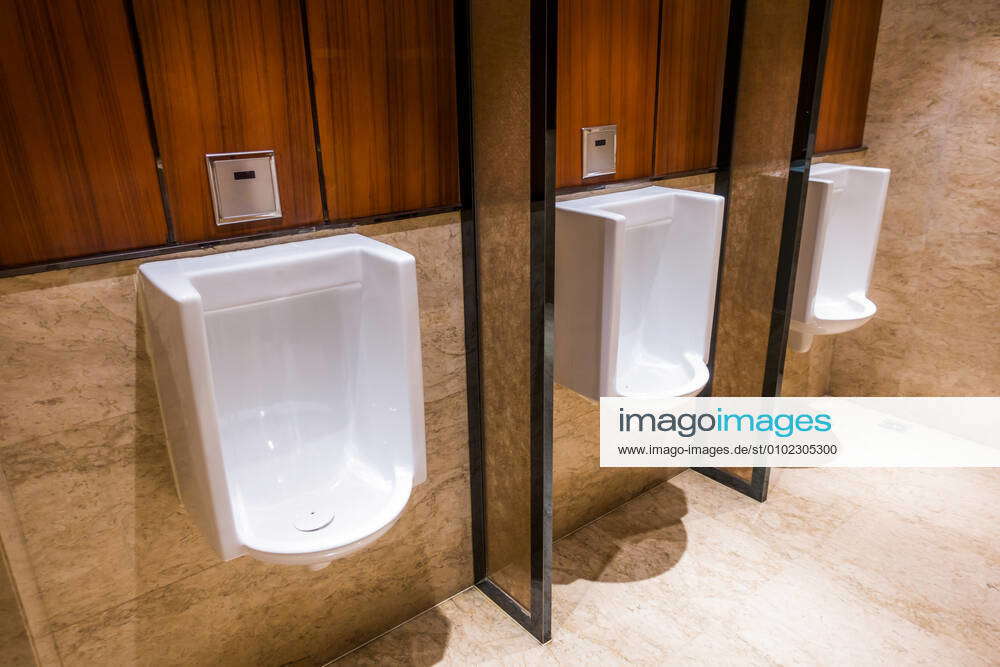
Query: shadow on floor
pixel 639 540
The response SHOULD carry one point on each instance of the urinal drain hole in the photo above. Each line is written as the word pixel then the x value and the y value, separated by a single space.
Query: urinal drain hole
pixel 312 520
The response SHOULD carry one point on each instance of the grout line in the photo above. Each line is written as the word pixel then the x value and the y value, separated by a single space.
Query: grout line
pixel 656 87
pixel 401 624
pixel 147 103
pixel 317 137
pixel 354 224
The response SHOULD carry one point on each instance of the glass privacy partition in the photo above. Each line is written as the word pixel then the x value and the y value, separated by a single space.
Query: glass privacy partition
pixel 507 129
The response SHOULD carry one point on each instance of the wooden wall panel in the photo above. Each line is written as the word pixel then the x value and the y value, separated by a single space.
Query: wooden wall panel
pixel 384 72
pixel 850 57
pixel 606 75
pixel 692 58
pixel 77 172
pixel 225 76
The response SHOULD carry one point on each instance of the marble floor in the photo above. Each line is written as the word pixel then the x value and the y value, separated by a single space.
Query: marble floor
pixel 839 567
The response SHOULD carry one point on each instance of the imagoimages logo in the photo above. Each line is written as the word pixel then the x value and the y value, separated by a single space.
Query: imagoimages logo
pixel 689 424
pixel 774 431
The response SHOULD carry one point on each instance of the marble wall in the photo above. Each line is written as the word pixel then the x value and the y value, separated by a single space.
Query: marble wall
pixel 933 120
pixel 581 489
pixel 108 566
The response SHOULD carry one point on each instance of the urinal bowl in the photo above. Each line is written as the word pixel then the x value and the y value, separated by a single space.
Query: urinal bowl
pixel 831 318
pixel 635 291
pixel 291 388
pixel 840 229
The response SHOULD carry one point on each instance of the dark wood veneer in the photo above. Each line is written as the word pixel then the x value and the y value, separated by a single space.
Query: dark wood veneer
pixel 77 171
pixel 692 56
pixel 606 75
pixel 384 75
pixel 850 57
pixel 227 76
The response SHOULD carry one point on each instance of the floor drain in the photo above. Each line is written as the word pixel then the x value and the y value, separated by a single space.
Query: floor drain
pixel 313 520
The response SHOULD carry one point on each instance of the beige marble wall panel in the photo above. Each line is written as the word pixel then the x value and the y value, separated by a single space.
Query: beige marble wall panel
pixel 932 120
pixel 581 489
pixel 808 374
pixel 501 76
pixel 773 40
pixel 120 572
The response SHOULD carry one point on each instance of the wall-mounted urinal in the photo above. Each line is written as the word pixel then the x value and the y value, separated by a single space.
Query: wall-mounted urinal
pixel 840 228
pixel 635 291
pixel 291 389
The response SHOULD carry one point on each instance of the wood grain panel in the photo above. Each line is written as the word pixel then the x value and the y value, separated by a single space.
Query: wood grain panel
pixel 77 172
pixel 606 75
pixel 847 79
pixel 226 76
pixel 692 57
pixel 384 72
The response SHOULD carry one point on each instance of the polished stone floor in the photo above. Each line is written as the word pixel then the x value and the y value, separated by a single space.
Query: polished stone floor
pixel 839 567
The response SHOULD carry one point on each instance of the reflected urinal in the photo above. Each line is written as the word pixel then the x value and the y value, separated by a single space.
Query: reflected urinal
pixel 840 228
pixel 291 389
pixel 635 291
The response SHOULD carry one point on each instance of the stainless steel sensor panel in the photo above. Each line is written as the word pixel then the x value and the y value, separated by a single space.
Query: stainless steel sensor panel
pixel 599 150
pixel 244 186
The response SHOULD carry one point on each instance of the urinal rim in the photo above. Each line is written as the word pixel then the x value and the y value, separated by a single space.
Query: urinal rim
pixel 829 327
pixel 325 555
pixel 701 375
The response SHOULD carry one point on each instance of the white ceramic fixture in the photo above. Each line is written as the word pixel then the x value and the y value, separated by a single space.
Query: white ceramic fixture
pixel 844 207
pixel 291 389
pixel 635 291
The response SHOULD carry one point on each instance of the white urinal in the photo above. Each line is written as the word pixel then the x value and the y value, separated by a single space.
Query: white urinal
pixel 840 228
pixel 635 291
pixel 291 389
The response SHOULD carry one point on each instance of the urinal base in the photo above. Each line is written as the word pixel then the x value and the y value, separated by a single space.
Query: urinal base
pixel 317 560
pixel 799 341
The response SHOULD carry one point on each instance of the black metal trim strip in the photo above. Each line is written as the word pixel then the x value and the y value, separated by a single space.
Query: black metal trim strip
pixel 756 488
pixel 507 603
pixel 166 249
pixel 311 79
pixel 726 478
pixel 542 257
pixel 470 285
pixel 760 483
pixel 803 143
pixel 656 87
pixel 724 155
pixel 147 103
